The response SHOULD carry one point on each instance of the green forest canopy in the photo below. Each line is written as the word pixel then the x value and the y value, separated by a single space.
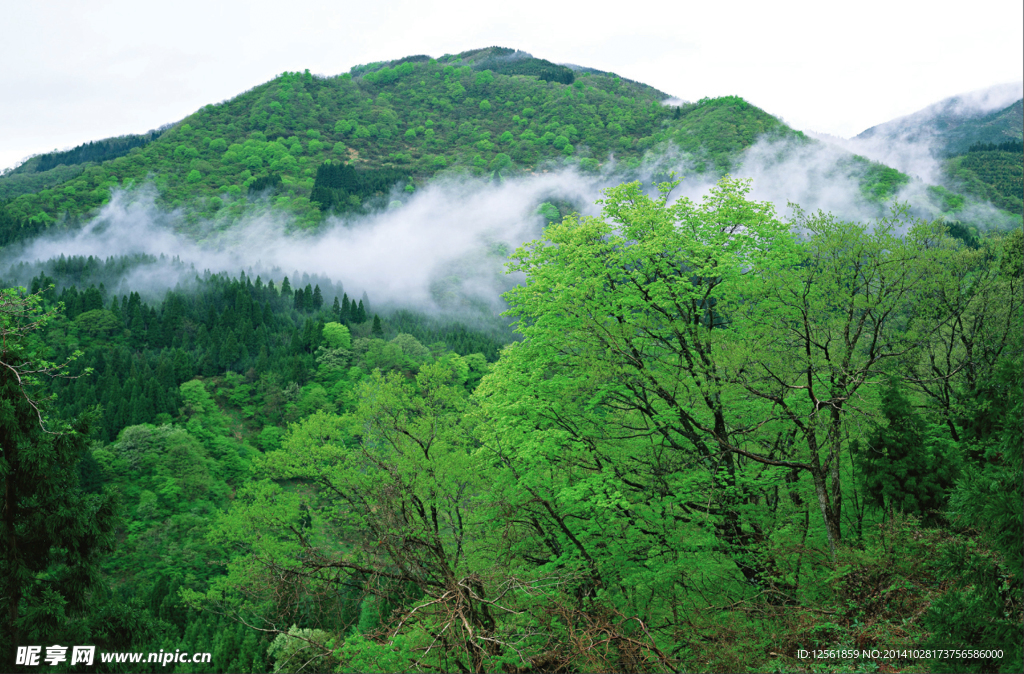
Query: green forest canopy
pixel 715 443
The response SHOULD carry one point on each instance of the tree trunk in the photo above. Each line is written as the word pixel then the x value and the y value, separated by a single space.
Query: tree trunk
pixel 827 512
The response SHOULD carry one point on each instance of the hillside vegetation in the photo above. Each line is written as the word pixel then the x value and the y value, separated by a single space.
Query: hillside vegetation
pixel 953 125
pixel 482 112
pixel 393 126
pixel 711 445
pixel 994 128
pixel 991 172
pixel 702 437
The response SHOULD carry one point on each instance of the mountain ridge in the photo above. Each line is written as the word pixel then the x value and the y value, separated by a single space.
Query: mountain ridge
pixel 483 112
pixel 990 115
pixel 493 112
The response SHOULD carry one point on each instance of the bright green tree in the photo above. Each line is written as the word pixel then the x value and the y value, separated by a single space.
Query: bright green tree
pixel 812 352
pixel 402 496
pixel 682 357
pixel 337 335
pixel 614 410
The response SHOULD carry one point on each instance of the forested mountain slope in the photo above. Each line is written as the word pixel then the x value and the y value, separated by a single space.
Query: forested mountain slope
pixel 991 172
pixel 384 129
pixel 481 112
pixel 968 145
pixel 995 128
pixel 954 124
pixel 46 170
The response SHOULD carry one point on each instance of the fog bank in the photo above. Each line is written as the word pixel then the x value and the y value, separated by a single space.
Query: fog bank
pixel 445 247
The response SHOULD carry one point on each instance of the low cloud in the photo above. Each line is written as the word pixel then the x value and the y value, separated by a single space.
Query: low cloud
pixel 446 246
pixel 981 101
pixel 912 152
pixel 911 144
pixel 451 238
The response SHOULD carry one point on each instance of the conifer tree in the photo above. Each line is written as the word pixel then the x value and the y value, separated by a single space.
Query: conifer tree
pixel 307 298
pixel 53 533
pixel 900 467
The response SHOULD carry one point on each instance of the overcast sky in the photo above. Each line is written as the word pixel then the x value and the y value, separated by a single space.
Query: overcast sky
pixel 75 71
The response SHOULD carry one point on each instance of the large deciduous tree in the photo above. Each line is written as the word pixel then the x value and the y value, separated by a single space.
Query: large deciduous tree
pixel 815 332
pixel 681 363
pixel 615 418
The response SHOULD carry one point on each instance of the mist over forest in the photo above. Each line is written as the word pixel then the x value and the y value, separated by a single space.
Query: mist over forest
pixel 487 363
pixel 459 229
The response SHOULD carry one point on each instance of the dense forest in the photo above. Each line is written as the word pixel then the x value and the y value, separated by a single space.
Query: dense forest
pixel 702 436
pixel 716 441
pixel 47 170
pixel 990 171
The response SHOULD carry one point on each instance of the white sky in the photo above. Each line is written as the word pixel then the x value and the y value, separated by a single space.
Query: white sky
pixel 73 71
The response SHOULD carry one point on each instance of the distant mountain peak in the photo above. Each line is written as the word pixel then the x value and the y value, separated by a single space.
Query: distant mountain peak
pixel 951 112
pixel 950 126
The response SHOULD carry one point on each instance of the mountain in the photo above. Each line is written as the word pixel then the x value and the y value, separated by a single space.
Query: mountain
pixel 952 125
pixel 47 170
pixel 970 145
pixel 995 128
pixel 478 112
pixel 994 173
pixel 307 146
